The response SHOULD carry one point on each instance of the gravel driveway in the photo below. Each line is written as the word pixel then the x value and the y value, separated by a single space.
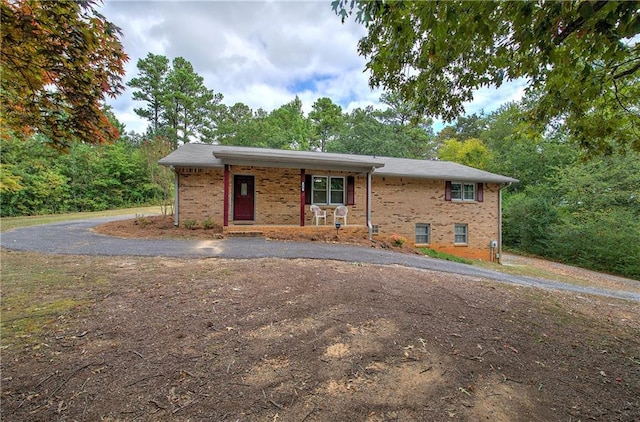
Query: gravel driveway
pixel 76 238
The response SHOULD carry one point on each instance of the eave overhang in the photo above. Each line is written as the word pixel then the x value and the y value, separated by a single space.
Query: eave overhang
pixel 294 159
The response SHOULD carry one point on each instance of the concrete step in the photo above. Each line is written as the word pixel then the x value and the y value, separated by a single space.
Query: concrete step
pixel 244 234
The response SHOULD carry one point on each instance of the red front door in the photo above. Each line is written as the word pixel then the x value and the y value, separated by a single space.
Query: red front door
pixel 243 195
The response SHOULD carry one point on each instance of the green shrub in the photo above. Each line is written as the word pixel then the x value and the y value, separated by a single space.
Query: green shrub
pixel 189 224
pixel 207 224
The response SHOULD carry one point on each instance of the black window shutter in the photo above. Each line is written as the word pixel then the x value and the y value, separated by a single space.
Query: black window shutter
pixel 307 189
pixel 351 190
pixel 447 190
pixel 480 193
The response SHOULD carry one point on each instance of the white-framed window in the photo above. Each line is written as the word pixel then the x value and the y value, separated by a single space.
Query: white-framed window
pixel 463 191
pixel 423 233
pixel 461 234
pixel 328 190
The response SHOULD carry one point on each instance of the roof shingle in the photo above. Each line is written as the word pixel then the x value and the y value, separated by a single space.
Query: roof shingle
pixel 215 156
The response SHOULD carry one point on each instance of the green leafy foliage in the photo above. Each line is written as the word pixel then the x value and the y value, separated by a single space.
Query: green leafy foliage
pixel 179 106
pixel 587 214
pixel 579 209
pixel 85 178
pixel 572 54
pixel 59 60
pixel 471 152
pixel 190 224
pixel 529 221
pixel 390 132
pixel 363 134
pixel 287 127
pixel 326 121
pixel 150 83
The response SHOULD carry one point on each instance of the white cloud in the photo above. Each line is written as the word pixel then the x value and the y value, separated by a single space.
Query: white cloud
pixel 261 53
pixel 488 99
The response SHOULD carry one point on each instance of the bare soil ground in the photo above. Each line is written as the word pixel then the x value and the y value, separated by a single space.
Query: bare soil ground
pixel 145 339
pixel 163 227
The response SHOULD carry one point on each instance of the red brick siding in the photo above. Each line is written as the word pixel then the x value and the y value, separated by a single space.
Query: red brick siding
pixel 357 212
pixel 200 195
pixel 399 203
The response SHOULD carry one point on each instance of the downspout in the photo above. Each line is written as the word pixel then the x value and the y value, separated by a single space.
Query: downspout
pixel 303 189
pixel 176 197
pixel 500 221
pixel 369 225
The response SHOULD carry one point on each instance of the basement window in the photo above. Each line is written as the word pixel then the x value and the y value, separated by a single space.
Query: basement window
pixel 461 234
pixel 423 234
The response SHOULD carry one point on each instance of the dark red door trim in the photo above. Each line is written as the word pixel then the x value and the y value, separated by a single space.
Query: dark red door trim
pixel 226 196
pixel 243 197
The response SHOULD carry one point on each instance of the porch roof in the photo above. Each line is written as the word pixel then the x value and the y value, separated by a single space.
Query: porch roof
pixel 295 159
pixel 216 156
pixel 192 155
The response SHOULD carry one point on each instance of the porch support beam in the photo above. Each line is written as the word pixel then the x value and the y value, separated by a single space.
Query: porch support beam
pixel 302 196
pixel 226 196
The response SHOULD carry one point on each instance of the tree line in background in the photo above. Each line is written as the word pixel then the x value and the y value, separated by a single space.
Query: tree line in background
pixel 178 107
pixel 37 179
pixel 560 201
pixel 581 61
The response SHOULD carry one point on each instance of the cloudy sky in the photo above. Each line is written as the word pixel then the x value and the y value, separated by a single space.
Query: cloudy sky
pixel 261 53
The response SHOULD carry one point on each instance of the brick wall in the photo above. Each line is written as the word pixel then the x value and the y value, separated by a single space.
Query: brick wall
pixel 357 212
pixel 399 203
pixel 277 194
pixel 200 195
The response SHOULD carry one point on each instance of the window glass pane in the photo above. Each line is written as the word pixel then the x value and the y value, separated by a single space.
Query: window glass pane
pixel 337 197
pixel 319 183
pixel 337 183
pixel 460 233
pixel 456 190
pixel 469 191
pixel 319 190
pixel 422 233
pixel 337 190
pixel 319 197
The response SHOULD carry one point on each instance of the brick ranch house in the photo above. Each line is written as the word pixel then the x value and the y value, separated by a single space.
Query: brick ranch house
pixel 443 205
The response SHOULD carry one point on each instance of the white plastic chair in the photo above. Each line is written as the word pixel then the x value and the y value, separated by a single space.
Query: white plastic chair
pixel 340 212
pixel 318 214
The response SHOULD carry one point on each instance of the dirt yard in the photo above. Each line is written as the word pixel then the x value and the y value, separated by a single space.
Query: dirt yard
pixel 146 339
pixel 163 227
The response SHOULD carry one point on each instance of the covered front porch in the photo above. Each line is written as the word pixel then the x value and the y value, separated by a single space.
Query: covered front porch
pixel 268 194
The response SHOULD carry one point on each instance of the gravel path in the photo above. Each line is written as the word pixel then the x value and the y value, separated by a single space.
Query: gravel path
pixel 76 238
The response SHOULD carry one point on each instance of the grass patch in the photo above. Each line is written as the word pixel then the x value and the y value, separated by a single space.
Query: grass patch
pixel 41 293
pixel 441 255
pixel 8 223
